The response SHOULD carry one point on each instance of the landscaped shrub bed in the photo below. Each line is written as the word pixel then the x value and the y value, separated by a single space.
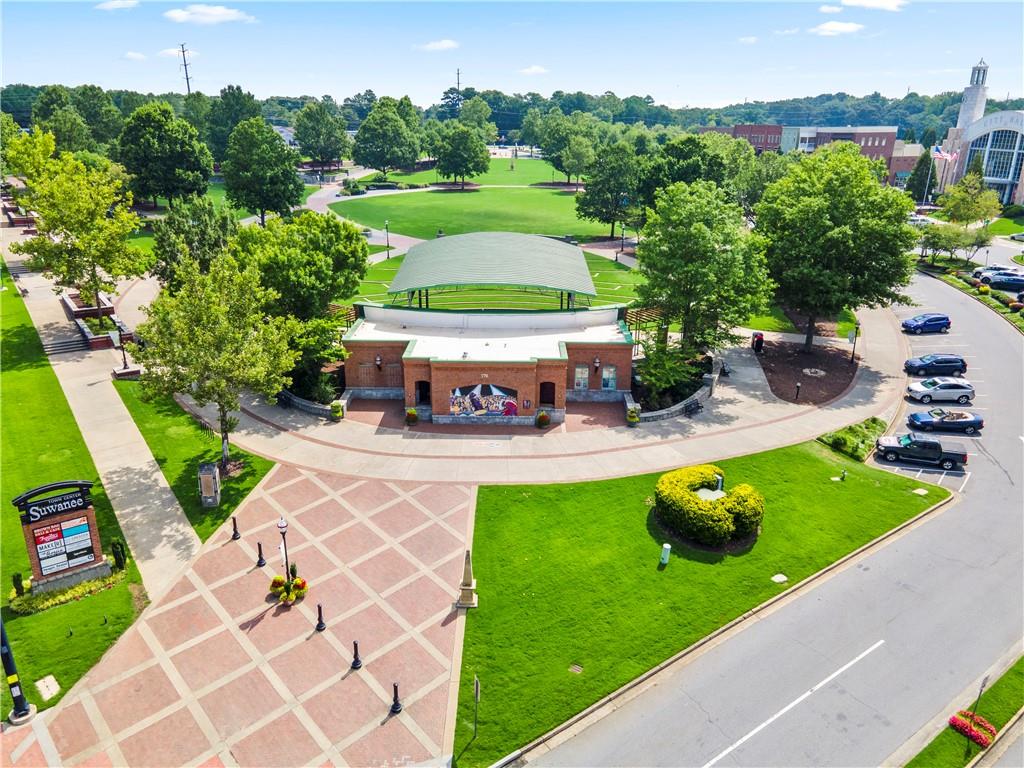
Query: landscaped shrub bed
pixel 737 515
pixel 856 440
pixel 27 604
pixel 974 727
pixel 965 282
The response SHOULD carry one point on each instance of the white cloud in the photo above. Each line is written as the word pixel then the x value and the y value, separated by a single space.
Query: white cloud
pixel 207 14
pixel 748 40
pixel 116 5
pixel 790 31
pixel 876 5
pixel 533 69
pixel 836 28
pixel 439 45
pixel 135 56
pixel 175 53
pixel 830 9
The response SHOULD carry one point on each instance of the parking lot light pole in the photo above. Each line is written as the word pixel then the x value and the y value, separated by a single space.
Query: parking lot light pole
pixel 856 333
pixel 387 238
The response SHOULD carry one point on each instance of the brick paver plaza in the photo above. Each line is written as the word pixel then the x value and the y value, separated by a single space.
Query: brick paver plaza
pixel 217 673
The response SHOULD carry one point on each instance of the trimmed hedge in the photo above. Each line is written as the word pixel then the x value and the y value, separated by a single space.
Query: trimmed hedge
pixel 737 515
pixel 856 440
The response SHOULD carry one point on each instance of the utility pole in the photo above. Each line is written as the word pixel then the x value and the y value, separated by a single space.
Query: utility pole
pixel 184 61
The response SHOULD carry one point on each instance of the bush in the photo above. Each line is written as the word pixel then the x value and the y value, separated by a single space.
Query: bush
pixel 337 411
pixel 401 185
pixel 1016 306
pixel 120 552
pixel 711 523
pixel 349 183
pixel 543 419
pixel 1002 298
pixel 24 605
pixel 856 440
pixel 357 191
pixel 1013 211
pixel 984 290
pixel 411 417
pixel 19 584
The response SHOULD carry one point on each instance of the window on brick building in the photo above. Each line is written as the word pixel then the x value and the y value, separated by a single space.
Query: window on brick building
pixel 609 379
pixel 582 379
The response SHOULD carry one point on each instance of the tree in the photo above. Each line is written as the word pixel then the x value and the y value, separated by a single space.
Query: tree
pixel 969 201
pixel 259 170
pixel 84 220
pixel 50 99
pixel 195 230
pixel 98 110
pixel 384 141
pixel 69 130
pixel 610 187
pixel 922 179
pixel 909 136
pixel 974 239
pixel 837 237
pixel 577 156
pixel 977 165
pixel 197 112
pixel 9 133
pixel 27 155
pixel 477 115
pixel 941 238
pixel 533 127
pixel 928 138
pixel 703 268
pixel 750 183
pixel 451 103
pixel 320 135
pixel 226 112
pixel 164 154
pixel 462 153
pixel 213 340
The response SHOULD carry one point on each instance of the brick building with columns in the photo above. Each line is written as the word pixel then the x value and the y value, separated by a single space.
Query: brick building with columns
pixel 482 365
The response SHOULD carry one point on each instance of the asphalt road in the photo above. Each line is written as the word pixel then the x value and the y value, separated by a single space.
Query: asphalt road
pixel 848 673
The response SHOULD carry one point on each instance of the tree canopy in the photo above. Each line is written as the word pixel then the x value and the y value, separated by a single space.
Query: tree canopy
pixel 462 152
pixel 69 130
pixel 232 107
pixel 611 184
pixel 922 179
pixel 259 170
pixel 837 237
pixel 195 230
pixel 320 134
pixel 969 200
pixel 384 140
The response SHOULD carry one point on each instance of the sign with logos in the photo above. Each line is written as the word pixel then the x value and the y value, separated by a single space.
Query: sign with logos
pixel 59 524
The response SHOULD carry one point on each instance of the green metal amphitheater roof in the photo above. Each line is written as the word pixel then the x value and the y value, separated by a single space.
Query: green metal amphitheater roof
pixel 494 258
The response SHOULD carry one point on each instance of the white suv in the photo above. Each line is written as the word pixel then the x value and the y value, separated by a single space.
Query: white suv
pixel 941 388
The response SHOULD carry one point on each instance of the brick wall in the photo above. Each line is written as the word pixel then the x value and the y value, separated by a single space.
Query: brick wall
pixel 33 555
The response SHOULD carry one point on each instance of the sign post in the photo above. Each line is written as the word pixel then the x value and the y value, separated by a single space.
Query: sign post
pixel 476 702
pixel 23 711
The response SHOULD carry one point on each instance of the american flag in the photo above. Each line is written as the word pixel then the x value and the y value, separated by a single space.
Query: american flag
pixel 939 154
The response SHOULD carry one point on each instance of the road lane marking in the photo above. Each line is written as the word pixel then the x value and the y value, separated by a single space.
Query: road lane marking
pixel 736 744
pixel 968 477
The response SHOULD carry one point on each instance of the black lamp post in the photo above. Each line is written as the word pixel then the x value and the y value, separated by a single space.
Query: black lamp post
pixel 282 527
pixel 387 237
pixel 856 333
pixel 119 342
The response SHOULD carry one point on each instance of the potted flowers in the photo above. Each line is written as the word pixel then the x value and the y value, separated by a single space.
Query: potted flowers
pixel 289 590
pixel 411 417
pixel 633 417
pixel 337 410
pixel 543 419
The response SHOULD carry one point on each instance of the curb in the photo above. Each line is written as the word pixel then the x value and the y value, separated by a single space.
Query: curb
pixel 990 750
pixel 1013 325
pixel 809 583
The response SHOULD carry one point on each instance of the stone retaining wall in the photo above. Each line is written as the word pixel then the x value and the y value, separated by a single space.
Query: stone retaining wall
pixel 306 406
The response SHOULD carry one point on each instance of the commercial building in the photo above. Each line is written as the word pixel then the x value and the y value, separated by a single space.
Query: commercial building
pixel 490 366
pixel 904 158
pixel 875 141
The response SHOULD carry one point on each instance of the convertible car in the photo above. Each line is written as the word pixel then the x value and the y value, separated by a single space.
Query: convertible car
pixel 947 421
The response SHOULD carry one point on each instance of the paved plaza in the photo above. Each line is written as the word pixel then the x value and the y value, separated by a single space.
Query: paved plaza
pixel 217 673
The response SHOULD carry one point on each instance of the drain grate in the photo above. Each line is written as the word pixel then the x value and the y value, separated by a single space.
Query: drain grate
pixel 576 669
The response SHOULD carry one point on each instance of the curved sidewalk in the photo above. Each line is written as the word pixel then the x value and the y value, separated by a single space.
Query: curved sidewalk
pixel 743 417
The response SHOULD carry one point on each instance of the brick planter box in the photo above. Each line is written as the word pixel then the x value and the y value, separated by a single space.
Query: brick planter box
pixel 76 308
pixel 103 341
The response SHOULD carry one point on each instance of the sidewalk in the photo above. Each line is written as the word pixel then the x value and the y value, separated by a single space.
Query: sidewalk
pixel 159 535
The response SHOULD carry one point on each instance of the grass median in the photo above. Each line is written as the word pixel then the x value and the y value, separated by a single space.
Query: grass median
pixel 568 576
pixel 179 444
pixel 41 443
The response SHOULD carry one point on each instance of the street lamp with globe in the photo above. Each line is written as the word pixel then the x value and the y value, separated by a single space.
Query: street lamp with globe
pixel 282 527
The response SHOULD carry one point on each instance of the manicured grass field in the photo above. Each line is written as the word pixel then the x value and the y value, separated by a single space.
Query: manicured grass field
pixel 568 575
pixel 41 444
pixel 1002 226
pixel 179 445
pixel 142 240
pixel 524 173
pixel 772 320
pixel 615 284
pixel 999 703
pixel 421 214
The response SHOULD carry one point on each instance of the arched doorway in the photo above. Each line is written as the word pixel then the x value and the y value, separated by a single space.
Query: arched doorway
pixel 422 393
pixel 547 394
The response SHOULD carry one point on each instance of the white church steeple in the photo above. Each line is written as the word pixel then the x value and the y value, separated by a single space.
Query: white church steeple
pixel 972 108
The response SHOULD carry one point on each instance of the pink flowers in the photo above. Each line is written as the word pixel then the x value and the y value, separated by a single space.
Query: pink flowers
pixel 974 727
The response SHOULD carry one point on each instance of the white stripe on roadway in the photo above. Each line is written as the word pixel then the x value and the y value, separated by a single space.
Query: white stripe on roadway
pixel 789 706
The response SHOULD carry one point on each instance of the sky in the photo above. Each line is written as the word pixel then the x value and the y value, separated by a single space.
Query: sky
pixel 679 53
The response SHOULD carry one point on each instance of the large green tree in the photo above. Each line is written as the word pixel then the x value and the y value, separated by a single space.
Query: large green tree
pixel 195 230
pixel 232 107
pixel 577 157
pixel 98 110
pixel 213 339
pixel 163 154
pixel 611 184
pixel 702 267
pixel 196 110
pixel 969 200
pixel 69 129
pixel 27 155
pixel 749 184
pixel 84 221
pixel 476 114
pixel 320 135
pixel 838 237
pixel 49 100
pixel 462 152
pixel 260 170
pixel 384 140
pixel 922 179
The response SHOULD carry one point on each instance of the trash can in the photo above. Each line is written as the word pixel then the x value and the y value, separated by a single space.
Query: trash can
pixel 209 484
pixel 757 341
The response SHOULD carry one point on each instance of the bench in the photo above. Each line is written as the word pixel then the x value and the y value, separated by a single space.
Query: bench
pixel 692 407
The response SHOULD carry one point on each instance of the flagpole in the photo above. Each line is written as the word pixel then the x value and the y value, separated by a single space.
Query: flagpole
pixel 928 181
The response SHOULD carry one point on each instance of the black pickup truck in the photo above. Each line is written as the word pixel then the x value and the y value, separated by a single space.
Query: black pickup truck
pixel 926 450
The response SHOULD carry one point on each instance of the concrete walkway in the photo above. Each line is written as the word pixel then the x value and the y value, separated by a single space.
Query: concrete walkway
pixel 159 535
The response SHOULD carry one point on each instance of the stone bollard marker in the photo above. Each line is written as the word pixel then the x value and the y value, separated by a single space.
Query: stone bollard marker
pixel 467 590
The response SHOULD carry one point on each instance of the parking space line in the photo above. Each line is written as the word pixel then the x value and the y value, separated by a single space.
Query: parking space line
pixel 919 473
pixel 968 477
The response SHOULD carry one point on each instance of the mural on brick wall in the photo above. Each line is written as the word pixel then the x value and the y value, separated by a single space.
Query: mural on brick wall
pixel 484 400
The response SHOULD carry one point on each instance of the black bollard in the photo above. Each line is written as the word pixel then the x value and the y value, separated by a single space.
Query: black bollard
pixel 320 625
pixel 104 619
pixel 798 385
pixel 260 560
pixel 396 705
pixel 357 663
pixel 235 535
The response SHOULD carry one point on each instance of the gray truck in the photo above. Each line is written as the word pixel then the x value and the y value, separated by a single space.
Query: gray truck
pixel 924 450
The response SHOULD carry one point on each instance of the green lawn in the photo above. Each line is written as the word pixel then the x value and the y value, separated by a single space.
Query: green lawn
pixel 41 443
pixel 998 704
pixel 615 284
pixel 568 575
pixel 524 173
pixel 1002 226
pixel 420 214
pixel 773 320
pixel 179 444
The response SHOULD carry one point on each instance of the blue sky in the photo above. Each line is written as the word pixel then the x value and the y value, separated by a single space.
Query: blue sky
pixel 696 54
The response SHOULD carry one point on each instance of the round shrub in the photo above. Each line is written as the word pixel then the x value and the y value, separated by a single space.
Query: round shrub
pixel 1016 306
pixel 543 419
pixel 984 290
pixel 736 515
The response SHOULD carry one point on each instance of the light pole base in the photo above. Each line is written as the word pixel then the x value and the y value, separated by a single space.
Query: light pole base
pixel 14 719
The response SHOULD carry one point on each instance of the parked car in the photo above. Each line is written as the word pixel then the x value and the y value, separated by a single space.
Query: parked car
pixel 941 388
pixel 1020 297
pixel 979 271
pixel 947 421
pixel 1017 236
pixel 987 278
pixel 918 220
pixel 926 450
pixel 930 322
pixel 1007 281
pixel 932 364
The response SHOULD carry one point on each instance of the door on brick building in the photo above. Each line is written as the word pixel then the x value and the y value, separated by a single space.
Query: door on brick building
pixel 365 377
pixel 547 394
pixel 393 376
pixel 422 393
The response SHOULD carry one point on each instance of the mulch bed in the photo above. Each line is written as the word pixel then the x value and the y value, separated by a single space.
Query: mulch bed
pixel 784 365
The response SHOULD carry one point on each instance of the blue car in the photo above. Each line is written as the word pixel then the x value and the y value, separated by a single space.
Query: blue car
pixel 946 421
pixel 930 322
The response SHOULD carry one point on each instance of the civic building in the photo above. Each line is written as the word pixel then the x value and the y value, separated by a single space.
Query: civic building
pixel 486 365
